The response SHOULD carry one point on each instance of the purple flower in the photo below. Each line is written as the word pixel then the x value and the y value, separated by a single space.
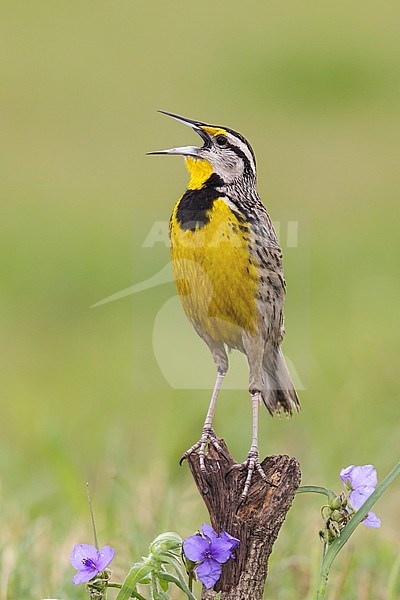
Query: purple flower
pixel 89 561
pixel 361 481
pixel 371 520
pixel 210 551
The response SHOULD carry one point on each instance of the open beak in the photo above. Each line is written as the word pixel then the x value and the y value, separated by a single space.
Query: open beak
pixel 185 150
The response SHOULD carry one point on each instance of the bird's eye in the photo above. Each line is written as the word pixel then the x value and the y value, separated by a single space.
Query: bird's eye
pixel 221 140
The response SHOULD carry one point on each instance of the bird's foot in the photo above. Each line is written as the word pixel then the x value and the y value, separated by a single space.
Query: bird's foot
pixel 252 463
pixel 207 437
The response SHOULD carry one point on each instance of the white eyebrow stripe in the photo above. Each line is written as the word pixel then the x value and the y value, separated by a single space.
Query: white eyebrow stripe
pixel 245 149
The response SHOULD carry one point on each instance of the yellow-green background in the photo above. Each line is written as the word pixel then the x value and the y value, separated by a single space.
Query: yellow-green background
pixel 315 87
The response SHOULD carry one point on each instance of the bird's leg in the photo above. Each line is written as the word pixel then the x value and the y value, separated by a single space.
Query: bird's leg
pixel 252 462
pixel 208 435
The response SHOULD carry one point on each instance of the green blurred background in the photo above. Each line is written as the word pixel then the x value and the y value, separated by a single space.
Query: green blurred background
pixel 316 88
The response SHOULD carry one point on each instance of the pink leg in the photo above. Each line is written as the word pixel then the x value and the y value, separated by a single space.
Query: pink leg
pixel 252 462
pixel 208 435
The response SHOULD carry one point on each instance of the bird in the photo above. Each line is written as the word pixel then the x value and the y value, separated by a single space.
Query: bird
pixel 227 264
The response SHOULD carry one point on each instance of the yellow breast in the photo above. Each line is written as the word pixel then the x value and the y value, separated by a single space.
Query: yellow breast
pixel 216 276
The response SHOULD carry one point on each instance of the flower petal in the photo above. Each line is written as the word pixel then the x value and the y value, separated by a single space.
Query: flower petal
pixel 105 556
pixel 84 575
pixel 345 474
pixel 195 547
pixel 372 520
pixel 208 532
pixel 79 553
pixel 208 572
pixel 362 476
pixel 358 497
pixel 229 538
pixel 221 549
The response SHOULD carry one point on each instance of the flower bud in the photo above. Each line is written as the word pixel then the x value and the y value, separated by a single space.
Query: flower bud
pixel 333 528
pixel 335 503
pixel 97 587
pixel 336 516
pixel 166 542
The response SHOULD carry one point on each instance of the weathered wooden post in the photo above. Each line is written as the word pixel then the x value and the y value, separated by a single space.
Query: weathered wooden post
pixel 256 523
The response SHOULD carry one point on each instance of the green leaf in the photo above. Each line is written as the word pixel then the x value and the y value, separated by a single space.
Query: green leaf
pixel 164 585
pixel 176 566
pixel 167 577
pixel 159 595
pixel 137 572
pixel 113 584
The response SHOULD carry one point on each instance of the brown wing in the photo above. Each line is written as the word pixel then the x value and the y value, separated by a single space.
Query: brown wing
pixel 272 291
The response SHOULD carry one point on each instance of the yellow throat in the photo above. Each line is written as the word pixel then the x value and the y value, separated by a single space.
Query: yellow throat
pixel 200 170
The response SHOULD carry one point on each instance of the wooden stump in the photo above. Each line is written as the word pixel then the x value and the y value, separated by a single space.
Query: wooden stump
pixel 256 523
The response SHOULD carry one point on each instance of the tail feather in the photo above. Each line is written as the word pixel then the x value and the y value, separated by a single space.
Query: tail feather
pixel 279 393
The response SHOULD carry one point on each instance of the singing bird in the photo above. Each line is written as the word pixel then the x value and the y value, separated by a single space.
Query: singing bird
pixel 228 268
